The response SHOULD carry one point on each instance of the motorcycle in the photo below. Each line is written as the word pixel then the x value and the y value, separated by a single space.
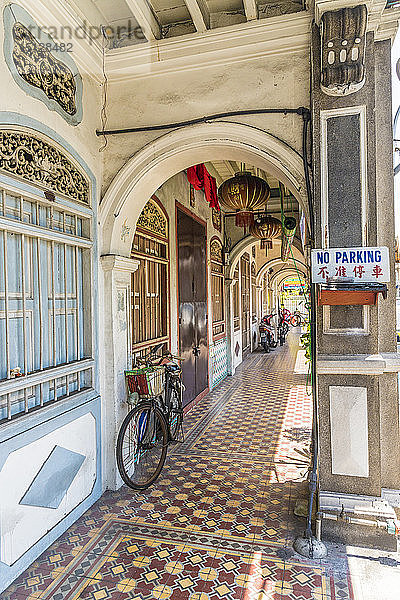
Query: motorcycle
pixel 284 324
pixel 267 333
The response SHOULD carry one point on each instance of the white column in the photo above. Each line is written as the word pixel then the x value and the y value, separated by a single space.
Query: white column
pixel 117 272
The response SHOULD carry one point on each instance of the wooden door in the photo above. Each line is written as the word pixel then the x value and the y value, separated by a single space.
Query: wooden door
pixel 245 285
pixel 192 300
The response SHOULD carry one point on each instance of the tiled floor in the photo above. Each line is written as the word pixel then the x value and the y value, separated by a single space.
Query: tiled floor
pixel 219 522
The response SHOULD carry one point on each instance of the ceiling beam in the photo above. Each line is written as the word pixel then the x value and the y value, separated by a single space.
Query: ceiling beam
pixel 250 9
pixel 235 166
pixel 199 13
pixel 215 173
pixel 230 167
pixel 146 18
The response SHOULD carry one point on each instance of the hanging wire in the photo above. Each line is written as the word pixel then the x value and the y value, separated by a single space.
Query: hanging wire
pixel 103 114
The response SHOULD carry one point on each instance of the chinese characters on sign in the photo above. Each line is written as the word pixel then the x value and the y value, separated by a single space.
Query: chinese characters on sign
pixel 350 265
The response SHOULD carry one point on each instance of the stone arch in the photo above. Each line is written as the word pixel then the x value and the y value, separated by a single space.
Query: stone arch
pixel 157 162
pixel 245 244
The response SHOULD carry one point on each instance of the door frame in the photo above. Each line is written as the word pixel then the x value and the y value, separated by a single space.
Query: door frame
pixel 182 208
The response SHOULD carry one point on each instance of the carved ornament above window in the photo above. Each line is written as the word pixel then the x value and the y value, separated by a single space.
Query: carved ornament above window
pixel 217 219
pixel 152 219
pixel 35 160
pixel 216 250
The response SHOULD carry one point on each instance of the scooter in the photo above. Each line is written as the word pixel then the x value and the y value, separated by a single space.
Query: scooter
pixel 267 333
pixel 284 323
pixel 263 331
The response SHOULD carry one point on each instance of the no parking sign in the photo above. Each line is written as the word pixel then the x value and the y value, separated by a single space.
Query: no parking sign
pixel 355 265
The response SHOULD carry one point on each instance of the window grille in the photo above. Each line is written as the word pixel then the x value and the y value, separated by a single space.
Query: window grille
pixel 236 303
pixel 245 289
pixel 265 296
pixel 150 283
pixel 253 293
pixel 217 288
pixel 45 300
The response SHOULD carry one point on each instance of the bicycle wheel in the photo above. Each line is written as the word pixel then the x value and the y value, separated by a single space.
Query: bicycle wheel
pixel 175 414
pixel 142 446
pixel 296 320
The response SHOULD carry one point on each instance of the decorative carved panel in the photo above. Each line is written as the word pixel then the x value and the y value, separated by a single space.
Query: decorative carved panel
pixel 216 250
pixel 37 66
pixel 217 219
pixel 35 160
pixel 343 50
pixel 153 220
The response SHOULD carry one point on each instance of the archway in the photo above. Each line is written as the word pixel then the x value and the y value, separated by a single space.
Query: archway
pixel 125 199
pixel 154 164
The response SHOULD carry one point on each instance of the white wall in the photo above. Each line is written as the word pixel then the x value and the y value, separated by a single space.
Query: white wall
pixel 80 137
pixel 273 83
pixel 74 423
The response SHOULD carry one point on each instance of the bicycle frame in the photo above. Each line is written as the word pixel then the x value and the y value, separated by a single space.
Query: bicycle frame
pixel 173 382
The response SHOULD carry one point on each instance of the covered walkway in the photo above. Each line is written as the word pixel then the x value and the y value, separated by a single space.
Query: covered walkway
pixel 219 522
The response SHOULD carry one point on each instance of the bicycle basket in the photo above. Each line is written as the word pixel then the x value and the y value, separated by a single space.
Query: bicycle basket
pixel 147 382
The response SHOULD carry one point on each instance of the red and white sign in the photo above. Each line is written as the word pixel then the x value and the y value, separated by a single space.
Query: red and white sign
pixel 350 265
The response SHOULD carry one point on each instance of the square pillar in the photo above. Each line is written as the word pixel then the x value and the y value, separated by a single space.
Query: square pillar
pixel 117 271
pixel 357 363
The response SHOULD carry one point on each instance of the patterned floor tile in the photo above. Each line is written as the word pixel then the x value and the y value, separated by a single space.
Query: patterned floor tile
pixel 218 524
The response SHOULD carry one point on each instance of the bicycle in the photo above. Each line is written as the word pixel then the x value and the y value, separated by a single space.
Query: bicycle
pixel 298 319
pixel 155 420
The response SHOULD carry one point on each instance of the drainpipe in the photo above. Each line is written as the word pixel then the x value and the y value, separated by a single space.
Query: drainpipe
pixel 392 526
pixel 308 545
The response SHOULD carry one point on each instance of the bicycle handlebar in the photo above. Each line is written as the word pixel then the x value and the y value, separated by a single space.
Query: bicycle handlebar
pixel 150 356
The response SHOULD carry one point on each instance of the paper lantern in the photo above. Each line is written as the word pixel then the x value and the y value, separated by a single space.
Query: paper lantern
pixel 266 228
pixel 244 194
